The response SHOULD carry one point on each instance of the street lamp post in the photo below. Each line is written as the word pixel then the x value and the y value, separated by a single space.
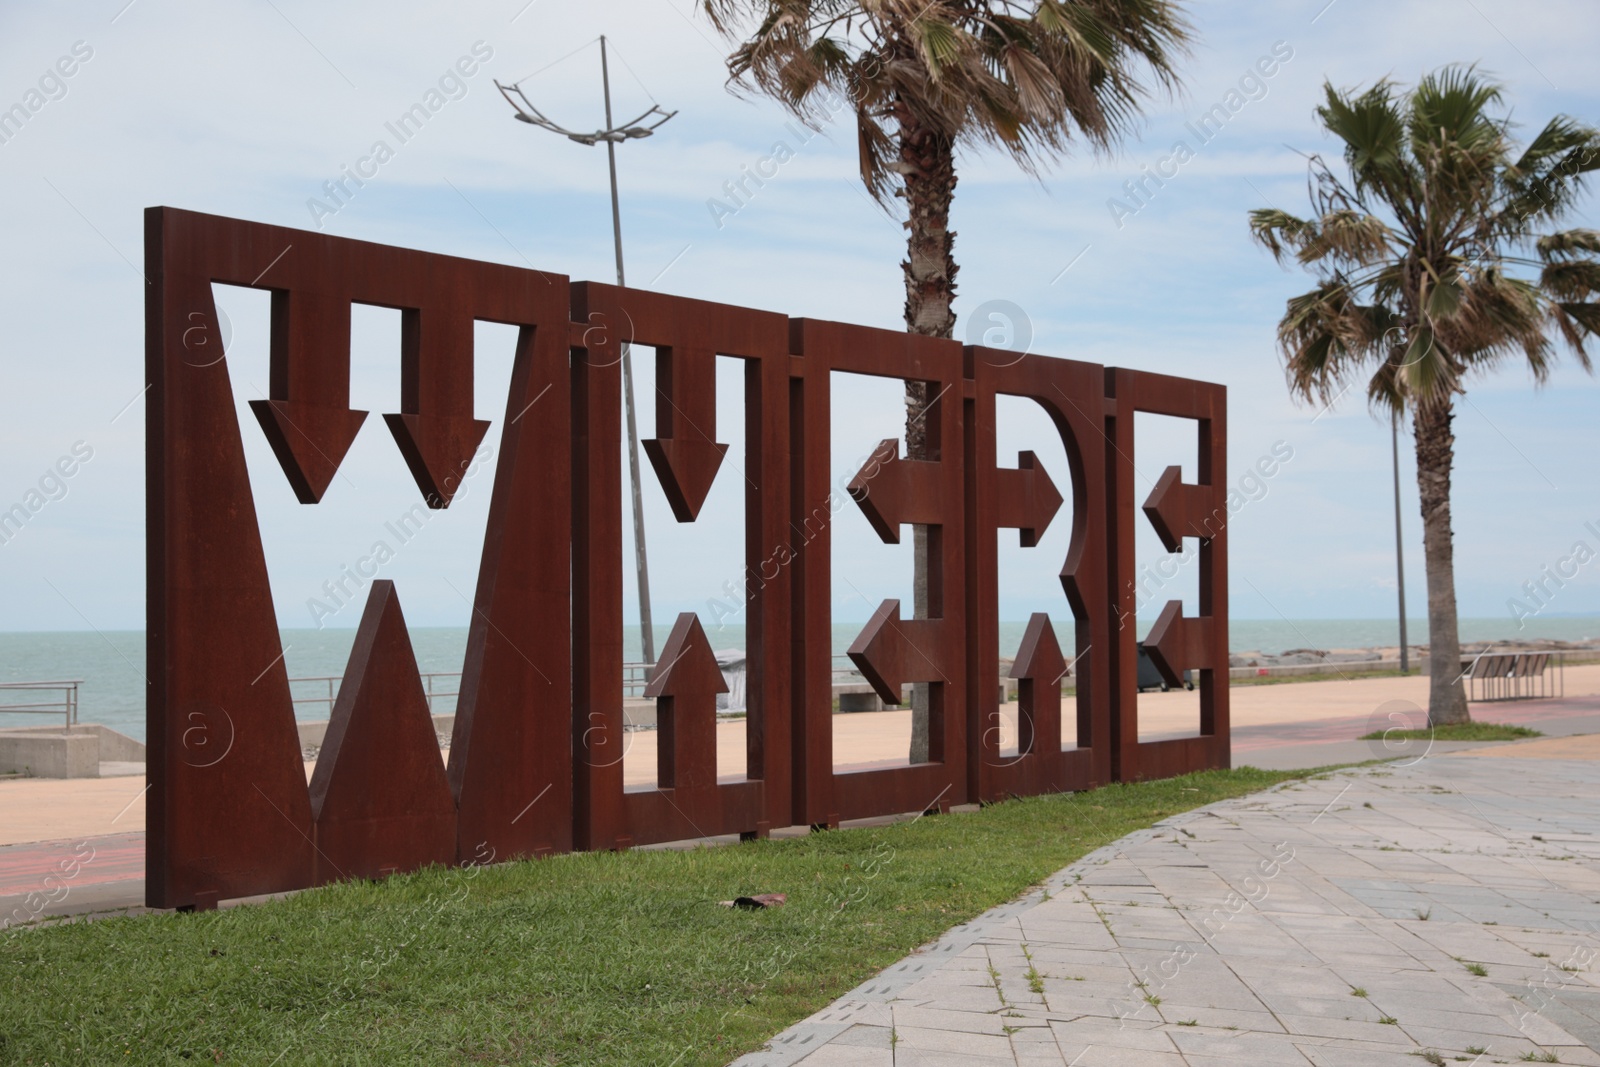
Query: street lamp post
pixel 611 135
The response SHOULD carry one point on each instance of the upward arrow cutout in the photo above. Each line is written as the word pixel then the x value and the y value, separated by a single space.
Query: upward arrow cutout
pixel 1026 498
pixel 307 417
pixel 685 452
pixel 1039 668
pixel 434 428
pixel 687 681
pixel 892 491
pixel 1178 510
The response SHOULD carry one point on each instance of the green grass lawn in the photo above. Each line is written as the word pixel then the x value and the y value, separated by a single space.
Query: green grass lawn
pixel 591 958
pixel 1466 731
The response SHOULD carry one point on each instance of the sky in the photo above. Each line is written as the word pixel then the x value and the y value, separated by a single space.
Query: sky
pixel 247 109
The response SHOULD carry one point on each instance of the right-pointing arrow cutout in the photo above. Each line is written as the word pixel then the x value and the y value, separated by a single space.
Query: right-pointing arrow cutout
pixel 1026 499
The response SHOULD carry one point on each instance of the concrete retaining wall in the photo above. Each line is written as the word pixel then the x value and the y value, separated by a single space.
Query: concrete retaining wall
pixel 56 752
pixel 114 747
pixel 860 696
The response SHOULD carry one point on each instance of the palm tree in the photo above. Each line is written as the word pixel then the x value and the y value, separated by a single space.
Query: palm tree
pixel 1436 259
pixel 926 76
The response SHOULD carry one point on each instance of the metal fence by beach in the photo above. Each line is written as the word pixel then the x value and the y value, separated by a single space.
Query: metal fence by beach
pixel 66 706
pixel 443 687
pixel 440 687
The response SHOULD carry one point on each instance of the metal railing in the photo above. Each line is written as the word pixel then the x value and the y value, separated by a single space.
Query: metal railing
pixel 331 684
pixel 67 706
pixel 634 678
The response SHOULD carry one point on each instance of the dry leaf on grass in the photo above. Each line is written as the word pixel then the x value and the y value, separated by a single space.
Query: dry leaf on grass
pixel 760 900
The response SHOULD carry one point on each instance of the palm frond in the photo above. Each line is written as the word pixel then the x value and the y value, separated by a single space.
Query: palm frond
pixel 1450 108
pixel 1032 79
pixel 1385 392
pixel 1280 232
pixel 1444 299
pixel 940 44
pixel 1560 137
pixel 1437 211
pixel 1577 323
pixel 1573 279
pixel 1373 131
pixel 1325 336
pixel 1501 315
pixel 1548 178
pixel 1350 238
pixel 1426 370
pixel 875 149
pixel 1568 244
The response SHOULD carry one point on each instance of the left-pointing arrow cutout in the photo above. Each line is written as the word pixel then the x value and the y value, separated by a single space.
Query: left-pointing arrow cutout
pixel 892 492
pixel 1178 643
pixel 891 651
pixel 1177 509
pixel 307 417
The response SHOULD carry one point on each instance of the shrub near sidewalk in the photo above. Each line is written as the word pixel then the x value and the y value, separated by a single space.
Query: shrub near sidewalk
pixel 591 958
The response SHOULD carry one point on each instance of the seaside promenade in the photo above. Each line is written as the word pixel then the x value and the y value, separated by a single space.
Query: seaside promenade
pixel 1440 911
pixel 1441 908
pixel 1288 725
pixel 1445 905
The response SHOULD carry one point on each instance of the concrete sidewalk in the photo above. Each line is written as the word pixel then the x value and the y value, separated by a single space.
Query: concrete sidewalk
pixel 1337 921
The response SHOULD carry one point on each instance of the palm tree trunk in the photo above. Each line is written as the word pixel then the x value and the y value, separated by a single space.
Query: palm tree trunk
pixel 927 160
pixel 1447 696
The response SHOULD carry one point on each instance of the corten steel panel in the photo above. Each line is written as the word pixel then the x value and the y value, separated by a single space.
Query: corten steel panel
pixel 379 796
pixel 511 747
pixel 230 814
pixel 688 335
pixel 1026 498
pixel 891 649
pixel 1177 510
pixel 535 760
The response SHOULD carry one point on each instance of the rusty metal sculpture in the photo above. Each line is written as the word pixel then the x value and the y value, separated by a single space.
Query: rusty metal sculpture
pixel 535 758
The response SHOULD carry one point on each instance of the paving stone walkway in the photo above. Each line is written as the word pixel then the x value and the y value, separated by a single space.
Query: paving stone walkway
pixel 1447 911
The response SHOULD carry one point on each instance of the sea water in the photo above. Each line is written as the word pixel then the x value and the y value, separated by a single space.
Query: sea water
pixel 112 666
